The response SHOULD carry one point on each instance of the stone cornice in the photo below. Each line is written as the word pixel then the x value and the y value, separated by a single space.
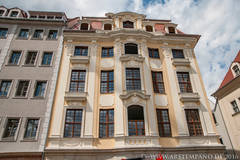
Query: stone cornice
pixel 137 58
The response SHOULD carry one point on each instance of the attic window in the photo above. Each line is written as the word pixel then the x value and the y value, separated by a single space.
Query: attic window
pixel 14 14
pixel 149 28
pixel 1 12
pixel 236 70
pixel 42 17
pixel 107 27
pixel 171 30
pixel 128 24
pixel 58 17
pixel 33 16
pixel 131 48
pixel 84 26
pixel 50 17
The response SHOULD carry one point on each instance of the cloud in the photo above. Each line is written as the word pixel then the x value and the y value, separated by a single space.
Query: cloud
pixel 216 22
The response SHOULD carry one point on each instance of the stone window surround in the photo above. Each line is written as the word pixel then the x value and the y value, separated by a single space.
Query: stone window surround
pixel 72 50
pixel 42 54
pixel 232 65
pixel 48 30
pixel 43 37
pixel 45 91
pixel 16 87
pixel 4 11
pixel 25 120
pixel 25 58
pixel 85 21
pixel 10 55
pixel 10 88
pixel 64 118
pixel 12 10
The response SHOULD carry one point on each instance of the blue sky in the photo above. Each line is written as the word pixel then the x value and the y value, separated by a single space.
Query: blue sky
pixel 216 21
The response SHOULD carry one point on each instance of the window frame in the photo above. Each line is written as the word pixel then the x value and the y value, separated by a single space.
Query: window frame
pixel 52 59
pixel 152 51
pixel 107 123
pixel 134 79
pixel 70 80
pixel 27 91
pixel 9 89
pixel 21 37
pixel 235 106
pixel 171 30
pixel 156 83
pixel 81 48
pixel 10 14
pixel 4 11
pixel 194 123
pixel 147 28
pixel 26 56
pixel 88 26
pixel 236 70
pixel 14 138
pixel 187 85
pixel 25 129
pixel 6 33
pixel 107 82
pixel 128 26
pixel 45 91
pixel 50 38
pixel 38 38
pixel 109 25
pixel 130 44
pixel 108 52
pixel 161 123
pixel 175 52
pixel 19 59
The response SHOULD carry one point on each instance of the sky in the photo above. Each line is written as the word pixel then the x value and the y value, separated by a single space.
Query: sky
pixel 217 21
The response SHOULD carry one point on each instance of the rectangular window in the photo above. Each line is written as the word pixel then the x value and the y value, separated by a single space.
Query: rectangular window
pixel 47 58
pixel 31 58
pixel 106 123
pixel 73 123
pixel 40 89
pixel 1 12
pixel 184 82
pixel 23 33
pixel 177 53
pixel 38 34
pixel 235 106
pixel 3 32
pixel 164 126
pixel 52 34
pixel 11 128
pixel 14 59
pixel 107 51
pixel 133 80
pixel 4 87
pixel 236 70
pixel 14 14
pixel 42 17
pixel 81 51
pixel 22 88
pixel 50 17
pixel 77 83
pixel 153 52
pixel 193 122
pixel 171 30
pixel 31 129
pixel 107 81
pixel 158 84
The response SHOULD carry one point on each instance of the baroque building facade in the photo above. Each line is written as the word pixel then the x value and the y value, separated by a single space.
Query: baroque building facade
pixel 129 87
pixel 30 53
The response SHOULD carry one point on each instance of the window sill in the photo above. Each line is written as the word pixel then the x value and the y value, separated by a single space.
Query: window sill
pixel 22 38
pixel 36 38
pixel 38 98
pixel 29 65
pixel 8 140
pixel 13 65
pixel 2 37
pixel 19 97
pixel 51 39
pixel 29 140
pixel 236 113
pixel 109 93
pixel 45 65
pixel 4 97
pixel 158 58
pixel 160 93
pixel 107 57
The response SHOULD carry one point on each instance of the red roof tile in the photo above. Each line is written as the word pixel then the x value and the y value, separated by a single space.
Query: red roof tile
pixel 229 76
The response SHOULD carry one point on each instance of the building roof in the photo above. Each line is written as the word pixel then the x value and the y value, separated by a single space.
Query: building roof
pixel 229 76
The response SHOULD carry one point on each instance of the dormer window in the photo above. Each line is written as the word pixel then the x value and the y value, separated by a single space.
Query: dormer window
pixel 84 26
pixel 131 48
pixel 236 70
pixel 41 17
pixel 1 12
pixel 58 17
pixel 14 14
pixel 171 30
pixel 149 28
pixel 128 24
pixel 33 16
pixel 50 17
pixel 107 27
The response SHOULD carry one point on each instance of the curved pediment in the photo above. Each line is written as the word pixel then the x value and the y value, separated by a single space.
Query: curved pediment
pixel 130 94
pixel 137 58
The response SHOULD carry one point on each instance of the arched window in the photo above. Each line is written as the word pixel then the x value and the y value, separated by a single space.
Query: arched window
pixel 84 26
pixel 131 48
pixel 149 28
pixel 136 121
pixel 128 24
pixel 107 27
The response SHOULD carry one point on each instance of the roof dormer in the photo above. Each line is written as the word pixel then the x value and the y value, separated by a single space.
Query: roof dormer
pixel 3 11
pixel 17 13
pixel 235 67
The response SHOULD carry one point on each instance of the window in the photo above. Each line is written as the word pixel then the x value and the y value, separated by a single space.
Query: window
pixel 41 17
pixel 1 12
pixel 184 82
pixel 3 32
pixel 171 30
pixel 38 34
pixel 107 27
pixel 31 58
pixel 107 51
pixel 84 26
pixel 158 84
pixel 22 88
pixel 50 17
pixel 177 53
pixel 164 126
pixel 194 123
pixel 31 128
pixel 236 70
pixel 4 87
pixel 81 51
pixel 153 52
pixel 14 14
pixel 106 123
pixel 11 128
pixel 47 58
pixel 77 83
pixel 33 16
pixel 52 34
pixel 58 17
pixel 107 81
pixel 128 24
pixel 73 123
pixel 235 106
pixel 14 59
pixel 136 121
pixel 23 33
pixel 133 80
pixel 40 88
pixel 149 28
pixel 131 48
